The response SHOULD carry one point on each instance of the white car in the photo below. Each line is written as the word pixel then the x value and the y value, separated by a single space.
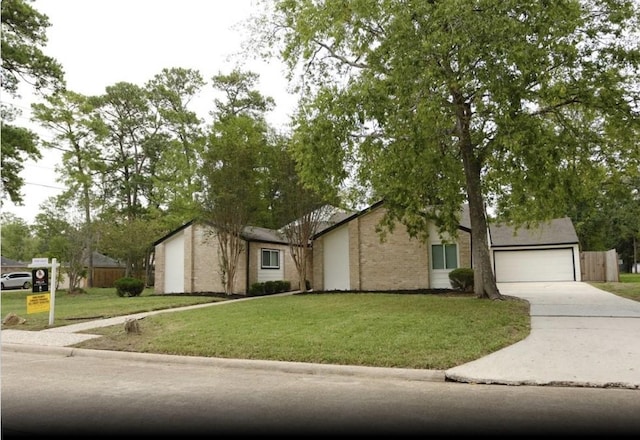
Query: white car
pixel 16 280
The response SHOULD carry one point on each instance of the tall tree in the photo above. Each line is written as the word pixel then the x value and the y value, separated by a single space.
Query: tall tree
pixel 130 149
pixel 70 118
pixel 23 37
pixel 434 103
pixel 174 181
pixel 232 166
pixel 300 209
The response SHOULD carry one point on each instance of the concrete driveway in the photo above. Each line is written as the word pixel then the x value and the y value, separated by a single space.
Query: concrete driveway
pixel 580 336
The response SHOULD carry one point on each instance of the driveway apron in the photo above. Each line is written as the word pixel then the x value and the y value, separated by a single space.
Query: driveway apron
pixel 580 336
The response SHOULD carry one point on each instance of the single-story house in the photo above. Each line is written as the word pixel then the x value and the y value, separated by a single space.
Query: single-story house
pixel 186 260
pixel 350 256
pixel 9 265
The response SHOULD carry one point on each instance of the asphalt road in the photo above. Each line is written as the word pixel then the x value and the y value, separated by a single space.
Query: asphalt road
pixel 46 395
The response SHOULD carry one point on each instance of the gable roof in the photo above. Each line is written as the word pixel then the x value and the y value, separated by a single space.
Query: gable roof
pixel 465 220
pixel 255 233
pixel 552 232
pixel 101 260
pixel 250 233
pixel 266 235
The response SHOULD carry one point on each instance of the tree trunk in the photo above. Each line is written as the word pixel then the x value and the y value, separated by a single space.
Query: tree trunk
pixel 484 282
pixel 89 234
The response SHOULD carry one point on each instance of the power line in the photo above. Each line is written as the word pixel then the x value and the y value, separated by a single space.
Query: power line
pixel 38 166
pixel 44 186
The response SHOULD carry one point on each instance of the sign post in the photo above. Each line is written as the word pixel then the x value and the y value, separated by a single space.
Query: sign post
pixel 41 282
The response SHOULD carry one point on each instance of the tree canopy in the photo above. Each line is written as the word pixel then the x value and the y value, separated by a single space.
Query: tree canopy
pixel 432 104
pixel 23 61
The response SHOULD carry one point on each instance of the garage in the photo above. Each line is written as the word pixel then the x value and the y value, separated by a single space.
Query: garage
pixel 534 265
pixel 547 252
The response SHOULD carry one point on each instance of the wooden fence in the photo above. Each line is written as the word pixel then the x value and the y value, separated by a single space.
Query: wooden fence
pixel 599 266
pixel 106 276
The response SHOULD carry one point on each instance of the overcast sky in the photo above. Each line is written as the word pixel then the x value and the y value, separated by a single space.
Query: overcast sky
pixel 102 42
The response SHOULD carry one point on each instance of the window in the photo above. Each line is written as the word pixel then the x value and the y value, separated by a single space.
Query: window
pixel 444 256
pixel 270 259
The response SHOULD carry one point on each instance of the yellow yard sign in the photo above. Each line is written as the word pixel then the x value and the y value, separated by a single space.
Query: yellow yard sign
pixel 38 303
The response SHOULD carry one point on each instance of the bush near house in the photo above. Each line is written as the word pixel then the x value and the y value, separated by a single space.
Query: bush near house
pixel 128 286
pixel 462 279
pixel 269 287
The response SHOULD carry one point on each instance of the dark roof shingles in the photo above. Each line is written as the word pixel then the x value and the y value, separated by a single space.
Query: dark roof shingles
pixel 556 231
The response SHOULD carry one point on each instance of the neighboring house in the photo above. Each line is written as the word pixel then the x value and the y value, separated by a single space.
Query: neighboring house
pixel 350 255
pixel 9 265
pixel 106 270
pixel 187 260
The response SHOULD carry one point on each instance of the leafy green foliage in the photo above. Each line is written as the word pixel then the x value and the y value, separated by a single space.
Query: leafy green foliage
pixel 18 146
pixel 426 105
pixel 128 286
pixel 18 239
pixel 269 287
pixel 461 279
pixel 23 36
pixel 234 167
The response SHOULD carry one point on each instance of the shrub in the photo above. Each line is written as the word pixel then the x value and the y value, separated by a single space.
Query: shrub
pixel 282 286
pixel 462 279
pixel 128 286
pixel 269 287
pixel 256 289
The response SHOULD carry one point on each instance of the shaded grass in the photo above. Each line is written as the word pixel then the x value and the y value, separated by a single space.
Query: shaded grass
pixel 96 303
pixel 374 329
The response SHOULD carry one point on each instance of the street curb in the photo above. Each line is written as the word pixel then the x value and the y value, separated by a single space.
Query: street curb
pixel 282 366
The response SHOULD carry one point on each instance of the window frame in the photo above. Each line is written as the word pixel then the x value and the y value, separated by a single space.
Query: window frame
pixel 444 261
pixel 271 252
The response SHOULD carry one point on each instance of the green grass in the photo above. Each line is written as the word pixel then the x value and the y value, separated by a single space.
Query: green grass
pixel 370 329
pixel 628 287
pixel 95 304
pixel 433 331
pixel 630 277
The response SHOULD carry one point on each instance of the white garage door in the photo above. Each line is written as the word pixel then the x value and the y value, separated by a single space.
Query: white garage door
pixel 534 265
pixel 174 264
